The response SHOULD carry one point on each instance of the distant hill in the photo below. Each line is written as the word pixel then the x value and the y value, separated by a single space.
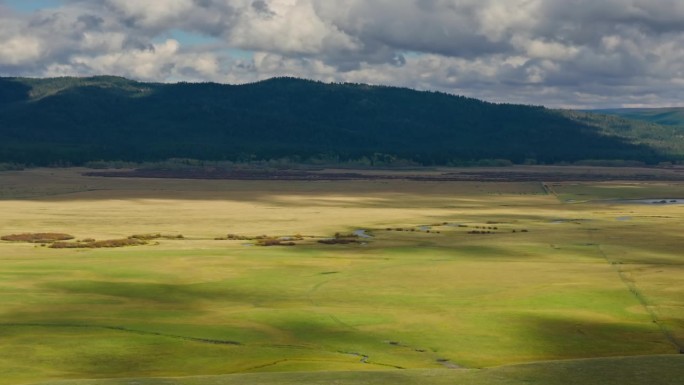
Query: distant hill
pixel 673 116
pixel 76 120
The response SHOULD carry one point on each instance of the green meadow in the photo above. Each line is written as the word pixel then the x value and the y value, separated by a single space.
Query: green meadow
pixel 460 282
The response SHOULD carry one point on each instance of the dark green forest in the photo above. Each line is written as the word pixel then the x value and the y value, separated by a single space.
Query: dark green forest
pixel 72 121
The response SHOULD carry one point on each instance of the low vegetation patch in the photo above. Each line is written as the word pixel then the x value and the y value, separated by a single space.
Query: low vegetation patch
pixel 57 240
pixel 264 240
pixel 270 241
pixel 341 239
pixel 37 237
pixel 149 237
pixel 99 244
pixel 235 237
pixel 481 232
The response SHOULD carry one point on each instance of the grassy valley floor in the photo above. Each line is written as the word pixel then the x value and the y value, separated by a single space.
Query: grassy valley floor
pixel 456 276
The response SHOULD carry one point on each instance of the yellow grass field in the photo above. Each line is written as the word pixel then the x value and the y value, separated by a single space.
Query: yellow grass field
pixel 580 273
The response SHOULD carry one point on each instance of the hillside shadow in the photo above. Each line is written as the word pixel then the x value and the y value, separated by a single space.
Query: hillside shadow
pixel 13 91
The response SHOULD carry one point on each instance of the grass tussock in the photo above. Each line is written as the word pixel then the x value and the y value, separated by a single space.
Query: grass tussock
pixel 37 237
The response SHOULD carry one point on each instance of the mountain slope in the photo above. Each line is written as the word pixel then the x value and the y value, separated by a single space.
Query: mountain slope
pixel 75 120
pixel 672 116
pixel 666 139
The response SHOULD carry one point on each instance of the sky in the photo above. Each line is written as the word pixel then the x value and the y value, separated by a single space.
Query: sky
pixel 557 53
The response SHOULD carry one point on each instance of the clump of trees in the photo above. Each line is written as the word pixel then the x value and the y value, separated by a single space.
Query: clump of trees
pixel 11 166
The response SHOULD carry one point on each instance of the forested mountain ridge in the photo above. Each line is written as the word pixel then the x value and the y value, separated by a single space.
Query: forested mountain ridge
pixel 76 120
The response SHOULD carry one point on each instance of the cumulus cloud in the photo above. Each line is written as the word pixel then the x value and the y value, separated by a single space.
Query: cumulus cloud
pixel 16 50
pixel 555 52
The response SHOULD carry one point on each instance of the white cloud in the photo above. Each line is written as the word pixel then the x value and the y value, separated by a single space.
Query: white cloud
pixel 500 19
pixel 146 64
pixel 540 49
pixel 288 26
pixel 18 50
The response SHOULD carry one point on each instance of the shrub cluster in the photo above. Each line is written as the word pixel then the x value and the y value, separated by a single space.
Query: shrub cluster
pixel 235 237
pixel 37 237
pixel 271 241
pixel 340 239
pixel 149 237
pixel 263 240
pixel 99 244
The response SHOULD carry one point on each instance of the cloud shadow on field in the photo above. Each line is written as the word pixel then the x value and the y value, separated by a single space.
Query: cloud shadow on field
pixel 558 337
pixel 661 370
pixel 185 295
